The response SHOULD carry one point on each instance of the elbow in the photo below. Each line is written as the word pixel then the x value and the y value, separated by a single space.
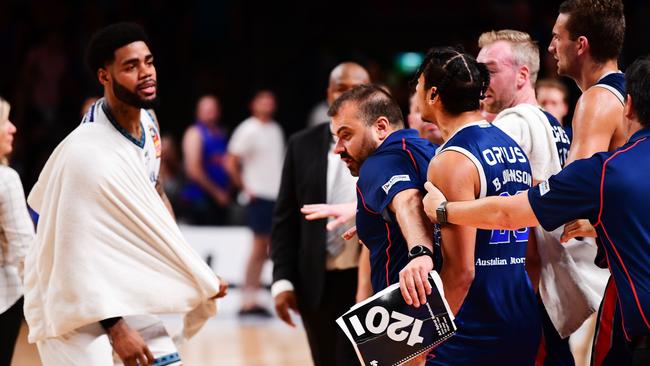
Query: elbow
pixel 193 173
pixel 508 220
pixel 465 278
pixel 462 277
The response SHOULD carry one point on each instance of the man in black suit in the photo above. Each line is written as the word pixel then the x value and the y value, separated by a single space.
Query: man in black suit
pixel 315 270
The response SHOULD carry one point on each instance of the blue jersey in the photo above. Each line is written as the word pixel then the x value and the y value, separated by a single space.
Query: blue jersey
pixel 611 190
pixel 398 164
pixel 498 323
pixel 213 152
pixel 615 83
pixel 561 138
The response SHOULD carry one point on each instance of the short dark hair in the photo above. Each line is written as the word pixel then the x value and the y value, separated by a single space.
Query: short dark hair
pixel 637 86
pixel 460 80
pixel 104 43
pixel 601 21
pixel 373 102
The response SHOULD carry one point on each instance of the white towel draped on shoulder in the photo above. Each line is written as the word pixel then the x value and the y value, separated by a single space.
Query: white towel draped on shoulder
pixel 105 245
pixel 571 286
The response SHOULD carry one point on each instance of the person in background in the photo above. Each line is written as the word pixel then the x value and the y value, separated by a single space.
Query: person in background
pixel 206 195
pixel 553 96
pixel 427 130
pixel 254 163
pixel 314 269
pixel 171 170
pixel 16 234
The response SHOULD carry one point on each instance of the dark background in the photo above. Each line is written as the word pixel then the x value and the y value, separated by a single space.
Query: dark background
pixel 232 48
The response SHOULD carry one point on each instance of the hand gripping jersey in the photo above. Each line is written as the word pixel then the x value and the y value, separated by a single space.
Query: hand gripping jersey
pixel 611 190
pixel 498 323
pixel 399 163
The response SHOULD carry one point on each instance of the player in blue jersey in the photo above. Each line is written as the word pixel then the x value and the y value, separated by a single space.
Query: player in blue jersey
pixel 611 191
pixel 483 271
pixel 391 164
pixel 587 41
pixel 512 58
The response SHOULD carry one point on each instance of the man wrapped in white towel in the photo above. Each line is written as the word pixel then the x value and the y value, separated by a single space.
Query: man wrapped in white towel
pixel 108 254
pixel 570 285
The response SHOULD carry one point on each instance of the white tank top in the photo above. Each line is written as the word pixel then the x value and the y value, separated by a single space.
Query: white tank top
pixel 149 145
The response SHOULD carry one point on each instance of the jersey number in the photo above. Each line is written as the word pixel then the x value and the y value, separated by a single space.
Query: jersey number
pixel 504 236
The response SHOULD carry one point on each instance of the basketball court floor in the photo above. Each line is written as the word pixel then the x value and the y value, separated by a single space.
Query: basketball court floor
pixel 225 340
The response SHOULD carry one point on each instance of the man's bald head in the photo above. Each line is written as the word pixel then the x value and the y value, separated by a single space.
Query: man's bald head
pixel 344 77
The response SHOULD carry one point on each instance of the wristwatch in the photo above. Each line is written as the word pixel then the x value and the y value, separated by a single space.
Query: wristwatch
pixel 418 251
pixel 441 213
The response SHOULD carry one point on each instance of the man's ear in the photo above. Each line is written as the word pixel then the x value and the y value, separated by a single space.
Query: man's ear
pixel 582 45
pixel 523 76
pixel 628 110
pixel 102 75
pixel 432 95
pixel 382 127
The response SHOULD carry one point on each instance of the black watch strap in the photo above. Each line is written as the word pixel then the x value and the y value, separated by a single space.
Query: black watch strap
pixel 441 213
pixel 418 251
pixel 109 322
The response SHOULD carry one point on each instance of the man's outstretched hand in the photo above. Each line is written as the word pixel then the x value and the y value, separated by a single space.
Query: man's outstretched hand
pixel 340 212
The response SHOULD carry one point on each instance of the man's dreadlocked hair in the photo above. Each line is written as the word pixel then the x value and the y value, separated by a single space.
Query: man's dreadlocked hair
pixel 460 80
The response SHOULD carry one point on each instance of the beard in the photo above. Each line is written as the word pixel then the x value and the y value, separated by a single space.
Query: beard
pixel 367 148
pixel 133 99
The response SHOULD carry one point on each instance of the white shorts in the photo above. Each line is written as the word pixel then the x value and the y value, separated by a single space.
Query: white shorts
pixel 90 345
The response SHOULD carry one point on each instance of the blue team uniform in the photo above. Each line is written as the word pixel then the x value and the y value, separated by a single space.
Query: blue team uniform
pixel 555 351
pixel 398 164
pixel 611 190
pixel 498 323
pixel 561 137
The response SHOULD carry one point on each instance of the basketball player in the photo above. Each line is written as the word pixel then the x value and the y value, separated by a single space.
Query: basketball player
pixel 587 40
pixel 483 272
pixel 610 191
pixel 512 58
pixel 124 257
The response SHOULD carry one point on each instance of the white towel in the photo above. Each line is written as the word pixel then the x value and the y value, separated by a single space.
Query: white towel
pixel 105 245
pixel 571 286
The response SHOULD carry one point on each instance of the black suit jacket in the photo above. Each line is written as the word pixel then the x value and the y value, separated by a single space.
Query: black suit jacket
pixel 297 245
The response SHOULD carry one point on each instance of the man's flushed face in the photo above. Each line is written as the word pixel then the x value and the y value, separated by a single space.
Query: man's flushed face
pixel 133 75
pixel 563 49
pixel 503 70
pixel 354 139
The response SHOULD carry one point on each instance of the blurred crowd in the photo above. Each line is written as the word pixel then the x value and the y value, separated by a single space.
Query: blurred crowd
pixel 231 50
